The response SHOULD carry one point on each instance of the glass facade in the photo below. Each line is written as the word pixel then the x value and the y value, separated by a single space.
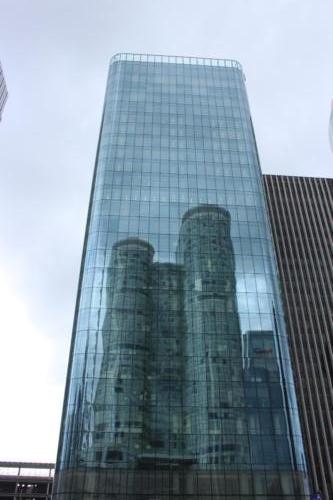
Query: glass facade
pixel 179 383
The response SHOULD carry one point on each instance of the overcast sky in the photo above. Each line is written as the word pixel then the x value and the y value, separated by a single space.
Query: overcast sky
pixel 55 57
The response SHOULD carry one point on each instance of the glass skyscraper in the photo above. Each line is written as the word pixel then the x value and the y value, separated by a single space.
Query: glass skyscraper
pixel 179 382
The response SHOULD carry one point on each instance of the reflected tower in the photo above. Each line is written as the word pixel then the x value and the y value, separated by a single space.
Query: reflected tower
pixel 166 366
pixel 121 390
pixel 214 392
pixel 267 407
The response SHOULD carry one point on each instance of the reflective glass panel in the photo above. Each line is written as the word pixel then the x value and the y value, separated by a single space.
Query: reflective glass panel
pixel 179 382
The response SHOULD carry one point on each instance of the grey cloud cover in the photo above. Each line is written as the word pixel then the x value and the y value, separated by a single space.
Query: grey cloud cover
pixel 55 57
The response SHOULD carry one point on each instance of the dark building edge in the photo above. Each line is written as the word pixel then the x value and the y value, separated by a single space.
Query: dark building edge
pixel 300 211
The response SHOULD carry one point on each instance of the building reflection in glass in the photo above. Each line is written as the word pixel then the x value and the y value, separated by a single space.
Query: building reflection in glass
pixel 213 391
pixel 179 386
pixel 119 406
pixel 165 440
pixel 164 398
pixel 265 401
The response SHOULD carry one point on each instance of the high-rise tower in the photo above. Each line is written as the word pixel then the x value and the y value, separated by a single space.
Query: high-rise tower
pixel 177 272
pixel 301 214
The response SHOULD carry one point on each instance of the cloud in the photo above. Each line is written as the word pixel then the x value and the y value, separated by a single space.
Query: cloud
pixel 31 399
pixel 55 58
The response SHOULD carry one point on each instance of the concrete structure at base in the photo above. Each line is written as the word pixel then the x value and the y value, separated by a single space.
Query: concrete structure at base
pixel 29 480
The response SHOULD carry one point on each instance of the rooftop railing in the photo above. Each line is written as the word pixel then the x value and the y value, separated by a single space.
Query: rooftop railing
pixel 158 58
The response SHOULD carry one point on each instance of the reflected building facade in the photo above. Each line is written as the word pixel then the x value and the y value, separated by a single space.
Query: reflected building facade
pixel 268 412
pixel 165 368
pixel 179 382
pixel 119 402
pixel 215 420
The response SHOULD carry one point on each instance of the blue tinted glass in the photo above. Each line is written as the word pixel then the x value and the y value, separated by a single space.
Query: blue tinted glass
pixel 179 383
